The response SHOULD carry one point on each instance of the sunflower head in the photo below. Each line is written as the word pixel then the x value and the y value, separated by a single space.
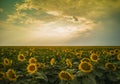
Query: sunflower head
pixel 32 60
pixel 85 60
pixel 94 57
pixel 2 75
pixel 78 54
pixel 64 75
pixel 111 52
pixel 68 63
pixel 41 65
pixel 104 52
pixel 116 51
pixel 91 51
pixel 32 68
pixel 85 67
pixel 11 75
pixel 110 66
pixel 118 57
pixel 21 57
pixel 52 61
pixel 6 61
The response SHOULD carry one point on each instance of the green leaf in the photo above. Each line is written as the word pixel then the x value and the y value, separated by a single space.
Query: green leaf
pixel 63 82
pixel 118 78
pixel 98 73
pixel 72 70
pixel 28 80
pixel 79 74
pixel 112 77
pixel 41 76
pixel 92 78
pixel 75 81
pixel 88 80
pixel 101 68
pixel 118 63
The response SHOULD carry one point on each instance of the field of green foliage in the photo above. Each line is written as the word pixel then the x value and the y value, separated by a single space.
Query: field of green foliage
pixel 59 65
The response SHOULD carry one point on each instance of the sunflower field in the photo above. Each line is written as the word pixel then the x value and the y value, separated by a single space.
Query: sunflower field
pixel 59 65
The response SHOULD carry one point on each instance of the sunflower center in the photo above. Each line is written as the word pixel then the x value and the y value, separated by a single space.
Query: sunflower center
pixel 86 66
pixel 112 52
pixel 66 76
pixel 6 61
pixel 12 75
pixel 21 57
pixel 95 57
pixel 32 68
pixel 116 51
pixel 110 66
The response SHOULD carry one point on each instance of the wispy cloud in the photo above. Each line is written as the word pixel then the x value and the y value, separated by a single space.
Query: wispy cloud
pixel 87 8
pixel 90 9
pixel 14 17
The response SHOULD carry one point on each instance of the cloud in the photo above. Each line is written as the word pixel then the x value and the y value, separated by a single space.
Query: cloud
pixel 16 16
pixel 49 33
pixel 51 22
pixel 5 26
pixel 24 6
pixel 54 13
pixel 88 8
pixel 22 18
pixel 52 10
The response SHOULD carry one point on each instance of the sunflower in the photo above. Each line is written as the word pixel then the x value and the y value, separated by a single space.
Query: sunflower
pixel 6 61
pixel 104 52
pixel 11 75
pixel 52 61
pixel 32 60
pixel 85 67
pixel 21 57
pixel 118 56
pixel 32 68
pixel 94 57
pixel 111 52
pixel 91 51
pixel 69 63
pixel 79 54
pixel 110 66
pixel 116 51
pixel 85 60
pixel 64 75
pixel 41 65
pixel 2 75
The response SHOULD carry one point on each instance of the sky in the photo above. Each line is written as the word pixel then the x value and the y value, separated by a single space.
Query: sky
pixel 59 22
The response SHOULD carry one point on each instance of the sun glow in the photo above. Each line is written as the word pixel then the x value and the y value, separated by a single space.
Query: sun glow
pixel 57 31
